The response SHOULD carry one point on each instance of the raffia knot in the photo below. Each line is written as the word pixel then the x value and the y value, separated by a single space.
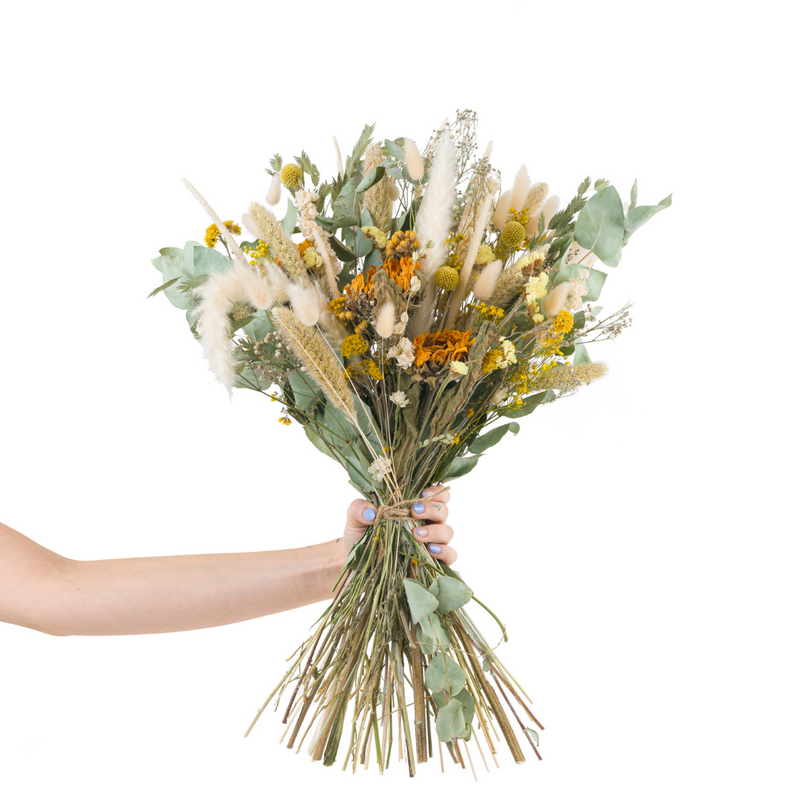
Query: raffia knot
pixel 401 510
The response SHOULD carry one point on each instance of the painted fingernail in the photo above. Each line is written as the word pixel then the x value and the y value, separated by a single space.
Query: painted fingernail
pixel 435 548
pixel 424 492
pixel 422 532
pixel 369 514
pixel 419 508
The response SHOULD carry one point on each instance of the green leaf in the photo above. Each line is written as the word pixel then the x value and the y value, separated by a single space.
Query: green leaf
pixel 450 721
pixel 276 162
pixel 451 593
pixel 483 443
pixel 342 252
pixel 319 442
pixel 370 179
pixel 425 638
pixel 528 405
pixel 163 286
pixel 420 601
pixel 445 675
pixel 636 217
pixel 442 635
pixel 461 465
pixel 440 698
pixel 306 394
pixel 634 194
pixel 288 222
pixel 305 162
pixel 532 735
pixel 259 327
pixel 394 149
pixel 581 354
pixel 374 259
pixel 601 224
pixel 363 244
pixel 468 701
pixel 345 204
pixel 594 282
pixel 362 143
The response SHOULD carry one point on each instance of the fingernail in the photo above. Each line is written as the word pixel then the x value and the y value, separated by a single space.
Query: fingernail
pixel 419 508
pixel 422 532
pixel 369 514
pixel 424 492
pixel 435 548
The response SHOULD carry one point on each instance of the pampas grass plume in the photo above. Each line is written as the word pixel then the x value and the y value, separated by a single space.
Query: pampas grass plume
pixel 305 303
pixel 436 211
pixel 549 208
pixel 416 168
pixel 250 224
pixel 218 296
pixel 385 321
pixel 519 192
pixel 256 286
pixel 555 299
pixel 487 280
pixel 274 193
pixel 501 211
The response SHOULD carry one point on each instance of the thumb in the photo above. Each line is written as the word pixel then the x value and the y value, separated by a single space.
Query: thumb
pixel 360 515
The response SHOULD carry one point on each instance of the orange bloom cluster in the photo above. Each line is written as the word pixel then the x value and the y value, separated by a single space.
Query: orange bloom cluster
pixel 400 270
pixel 304 245
pixel 442 347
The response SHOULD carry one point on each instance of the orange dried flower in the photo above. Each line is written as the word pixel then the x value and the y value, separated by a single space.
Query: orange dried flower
pixel 442 347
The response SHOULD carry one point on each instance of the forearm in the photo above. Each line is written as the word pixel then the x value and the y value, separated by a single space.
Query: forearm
pixel 176 593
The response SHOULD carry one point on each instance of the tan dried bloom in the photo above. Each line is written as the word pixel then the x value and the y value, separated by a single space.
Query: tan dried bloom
pixel 567 378
pixel 317 357
pixel 280 244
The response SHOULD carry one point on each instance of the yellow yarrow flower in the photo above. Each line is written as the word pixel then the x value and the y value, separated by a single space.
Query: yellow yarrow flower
pixel 354 345
pixel 213 235
pixel 563 321
pixel 485 255
pixel 371 369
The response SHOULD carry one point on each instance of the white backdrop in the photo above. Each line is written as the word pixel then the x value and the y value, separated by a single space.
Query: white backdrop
pixel 637 539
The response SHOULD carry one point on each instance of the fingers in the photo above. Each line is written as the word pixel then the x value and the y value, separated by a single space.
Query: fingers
pixel 430 510
pixel 442 497
pixel 434 534
pixel 443 553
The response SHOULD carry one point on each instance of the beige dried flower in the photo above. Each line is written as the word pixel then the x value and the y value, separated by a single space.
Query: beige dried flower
pixel 567 378
pixel 317 357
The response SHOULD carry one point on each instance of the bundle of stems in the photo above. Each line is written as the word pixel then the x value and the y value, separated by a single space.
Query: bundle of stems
pixel 358 682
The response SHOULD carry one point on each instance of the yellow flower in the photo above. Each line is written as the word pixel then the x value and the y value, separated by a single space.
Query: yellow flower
pixel 470 413
pixel 446 278
pixel 354 345
pixel 485 254
pixel 512 235
pixel 442 347
pixel 371 369
pixel 213 236
pixel 291 175
pixel 284 420
pixel 563 322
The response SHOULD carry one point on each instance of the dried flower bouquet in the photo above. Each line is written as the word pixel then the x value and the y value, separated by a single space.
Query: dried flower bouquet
pixel 417 306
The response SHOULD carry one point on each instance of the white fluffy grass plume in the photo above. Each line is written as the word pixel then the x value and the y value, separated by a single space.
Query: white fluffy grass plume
pixel 385 321
pixel 436 211
pixel 218 295
pixel 416 168
pixel 274 193
pixel 487 280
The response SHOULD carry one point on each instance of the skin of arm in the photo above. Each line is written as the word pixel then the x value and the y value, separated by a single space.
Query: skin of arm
pixel 42 590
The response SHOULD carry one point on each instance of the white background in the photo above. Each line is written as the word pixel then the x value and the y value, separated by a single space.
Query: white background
pixel 637 539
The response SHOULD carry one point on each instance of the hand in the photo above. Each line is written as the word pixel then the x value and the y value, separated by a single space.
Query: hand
pixel 432 513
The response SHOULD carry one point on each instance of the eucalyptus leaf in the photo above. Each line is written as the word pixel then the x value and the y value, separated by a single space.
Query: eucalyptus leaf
pixel 581 354
pixel 345 204
pixel 601 224
pixel 288 222
pixel 450 721
pixel 528 405
pixel 440 698
pixel 461 465
pixel 445 675
pixel 452 593
pixel 426 640
pixel 532 735
pixel 487 440
pixel 394 149
pixel 634 194
pixel 441 634
pixel 306 393
pixel 468 701
pixel 342 252
pixel 637 216
pixel 363 245
pixel 370 179
pixel 420 601
pixel 374 259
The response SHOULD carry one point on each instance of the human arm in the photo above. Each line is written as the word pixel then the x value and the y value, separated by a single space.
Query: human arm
pixel 42 590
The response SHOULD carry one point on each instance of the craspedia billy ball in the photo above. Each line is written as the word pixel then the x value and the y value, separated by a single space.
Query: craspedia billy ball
pixel 446 278
pixel 512 235
pixel 291 175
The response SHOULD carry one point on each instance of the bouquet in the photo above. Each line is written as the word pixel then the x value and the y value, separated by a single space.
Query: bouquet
pixel 396 312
